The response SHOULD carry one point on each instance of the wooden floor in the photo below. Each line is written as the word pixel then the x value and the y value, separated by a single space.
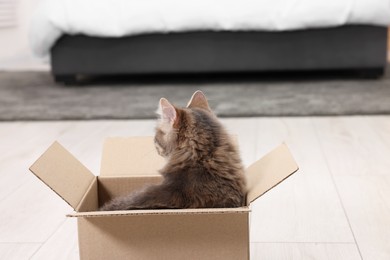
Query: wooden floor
pixel 336 207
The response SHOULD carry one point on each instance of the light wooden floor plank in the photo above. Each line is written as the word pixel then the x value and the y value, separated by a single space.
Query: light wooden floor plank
pixel 65 240
pixel 352 146
pixel 22 144
pixel 17 251
pixel 305 207
pixel 357 151
pixel 367 203
pixel 381 126
pixel 302 251
pixel 31 214
pixel 246 131
pixel 19 136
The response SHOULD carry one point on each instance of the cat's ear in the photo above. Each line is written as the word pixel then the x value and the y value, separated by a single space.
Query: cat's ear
pixel 167 111
pixel 199 100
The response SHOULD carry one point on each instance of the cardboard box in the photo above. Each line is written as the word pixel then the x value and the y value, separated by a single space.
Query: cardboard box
pixel 129 163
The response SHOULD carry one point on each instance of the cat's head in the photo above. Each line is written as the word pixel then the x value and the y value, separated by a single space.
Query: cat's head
pixel 180 126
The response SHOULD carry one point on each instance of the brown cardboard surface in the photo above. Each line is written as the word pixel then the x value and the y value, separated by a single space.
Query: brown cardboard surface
pixel 90 200
pixel 130 156
pixel 124 156
pixel 269 171
pixel 63 173
pixel 111 187
pixel 191 236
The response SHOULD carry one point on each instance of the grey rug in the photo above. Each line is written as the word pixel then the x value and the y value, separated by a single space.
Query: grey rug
pixel 35 96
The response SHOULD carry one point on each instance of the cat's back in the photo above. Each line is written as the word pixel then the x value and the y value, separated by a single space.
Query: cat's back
pixel 216 170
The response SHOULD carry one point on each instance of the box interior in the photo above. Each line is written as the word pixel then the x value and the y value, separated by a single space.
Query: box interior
pixel 128 164
pixel 111 187
pixel 103 189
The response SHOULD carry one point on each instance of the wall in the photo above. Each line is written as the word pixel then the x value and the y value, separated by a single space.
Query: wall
pixel 15 51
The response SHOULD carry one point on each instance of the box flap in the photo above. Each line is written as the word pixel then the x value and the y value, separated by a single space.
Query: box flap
pixel 63 173
pixel 269 171
pixel 124 156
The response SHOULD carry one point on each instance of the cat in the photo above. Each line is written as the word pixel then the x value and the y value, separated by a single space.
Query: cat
pixel 203 168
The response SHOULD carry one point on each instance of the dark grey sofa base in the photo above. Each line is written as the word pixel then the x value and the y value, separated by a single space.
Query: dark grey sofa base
pixel 357 47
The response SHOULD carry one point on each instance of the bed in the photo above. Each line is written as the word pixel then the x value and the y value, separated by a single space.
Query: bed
pixel 171 36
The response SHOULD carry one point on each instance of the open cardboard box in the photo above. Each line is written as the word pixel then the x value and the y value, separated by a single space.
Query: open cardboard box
pixel 128 164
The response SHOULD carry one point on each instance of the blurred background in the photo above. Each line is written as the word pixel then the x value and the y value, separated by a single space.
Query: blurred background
pixel 284 53
pixel 311 73
pixel 15 44
pixel 15 49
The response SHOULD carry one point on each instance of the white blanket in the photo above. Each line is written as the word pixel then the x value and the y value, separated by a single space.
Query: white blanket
pixel 116 18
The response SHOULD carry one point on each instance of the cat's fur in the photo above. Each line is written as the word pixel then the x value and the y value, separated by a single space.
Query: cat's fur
pixel 203 168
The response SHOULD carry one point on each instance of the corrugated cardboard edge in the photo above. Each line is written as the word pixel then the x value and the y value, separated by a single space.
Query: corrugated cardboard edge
pixel 90 199
pixel 241 210
pixel 59 195
pixel 48 171
pixel 269 171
